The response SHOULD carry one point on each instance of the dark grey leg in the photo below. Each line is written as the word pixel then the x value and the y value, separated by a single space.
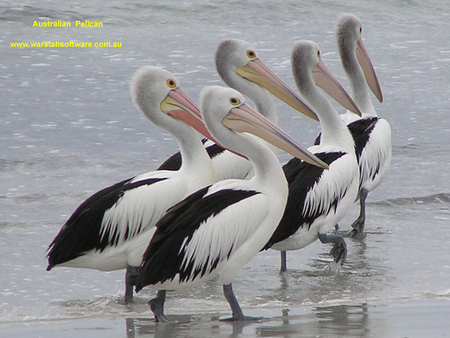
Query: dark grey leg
pixel 130 281
pixel 157 306
pixel 358 224
pixel 339 251
pixel 283 267
pixel 130 327
pixel 235 308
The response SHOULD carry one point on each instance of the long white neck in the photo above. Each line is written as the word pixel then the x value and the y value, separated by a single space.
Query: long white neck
pixel 194 157
pixel 358 85
pixel 334 130
pixel 263 103
pixel 267 168
pixel 265 163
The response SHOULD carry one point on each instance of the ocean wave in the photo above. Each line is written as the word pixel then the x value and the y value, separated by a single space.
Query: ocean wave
pixel 30 13
pixel 440 198
pixel 25 13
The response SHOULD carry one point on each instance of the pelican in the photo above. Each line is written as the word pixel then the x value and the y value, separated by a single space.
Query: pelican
pixel 112 228
pixel 215 231
pixel 240 67
pixel 372 134
pixel 318 199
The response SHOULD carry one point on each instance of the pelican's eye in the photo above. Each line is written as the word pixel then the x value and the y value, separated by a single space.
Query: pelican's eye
pixel 360 29
pixel 235 101
pixel 251 54
pixel 171 83
pixel 318 54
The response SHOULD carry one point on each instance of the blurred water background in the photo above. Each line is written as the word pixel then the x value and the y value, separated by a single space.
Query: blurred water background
pixel 68 128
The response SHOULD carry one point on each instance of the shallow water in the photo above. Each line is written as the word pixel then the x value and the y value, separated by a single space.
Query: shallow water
pixel 406 318
pixel 68 129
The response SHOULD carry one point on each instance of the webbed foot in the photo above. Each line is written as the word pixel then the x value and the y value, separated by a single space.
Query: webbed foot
pixel 339 250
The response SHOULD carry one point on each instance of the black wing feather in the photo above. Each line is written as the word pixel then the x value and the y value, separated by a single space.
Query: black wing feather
pixel 301 177
pixel 164 256
pixel 81 232
pixel 361 130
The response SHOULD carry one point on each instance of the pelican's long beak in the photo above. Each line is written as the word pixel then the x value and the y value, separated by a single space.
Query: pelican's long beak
pixel 325 80
pixel 368 70
pixel 245 119
pixel 256 71
pixel 180 106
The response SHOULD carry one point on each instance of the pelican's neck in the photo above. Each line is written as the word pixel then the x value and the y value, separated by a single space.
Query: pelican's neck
pixel 193 154
pixel 334 130
pixel 358 84
pixel 265 163
pixel 264 104
pixel 194 158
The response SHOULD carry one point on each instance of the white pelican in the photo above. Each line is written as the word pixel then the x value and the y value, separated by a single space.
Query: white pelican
pixel 318 199
pixel 372 134
pixel 240 67
pixel 218 229
pixel 112 228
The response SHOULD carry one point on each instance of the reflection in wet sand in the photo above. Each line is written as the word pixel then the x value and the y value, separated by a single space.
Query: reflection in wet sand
pixel 327 321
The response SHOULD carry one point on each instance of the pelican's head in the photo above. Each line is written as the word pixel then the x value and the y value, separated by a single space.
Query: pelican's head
pixel 307 67
pixel 224 109
pixel 349 28
pixel 350 43
pixel 156 94
pixel 240 67
pixel 231 55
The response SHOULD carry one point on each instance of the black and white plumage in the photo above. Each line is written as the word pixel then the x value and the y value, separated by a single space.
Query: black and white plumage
pixel 112 228
pixel 240 67
pixel 372 134
pixel 218 229
pixel 318 199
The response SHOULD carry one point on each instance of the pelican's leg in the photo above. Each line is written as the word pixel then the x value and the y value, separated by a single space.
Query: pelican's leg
pixel 130 281
pixel 235 308
pixel 358 224
pixel 157 306
pixel 339 251
pixel 283 267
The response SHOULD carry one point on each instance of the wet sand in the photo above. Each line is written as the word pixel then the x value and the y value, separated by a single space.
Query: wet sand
pixel 397 318
pixel 386 288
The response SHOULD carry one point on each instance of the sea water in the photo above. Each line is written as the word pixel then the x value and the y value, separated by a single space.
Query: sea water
pixel 68 129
